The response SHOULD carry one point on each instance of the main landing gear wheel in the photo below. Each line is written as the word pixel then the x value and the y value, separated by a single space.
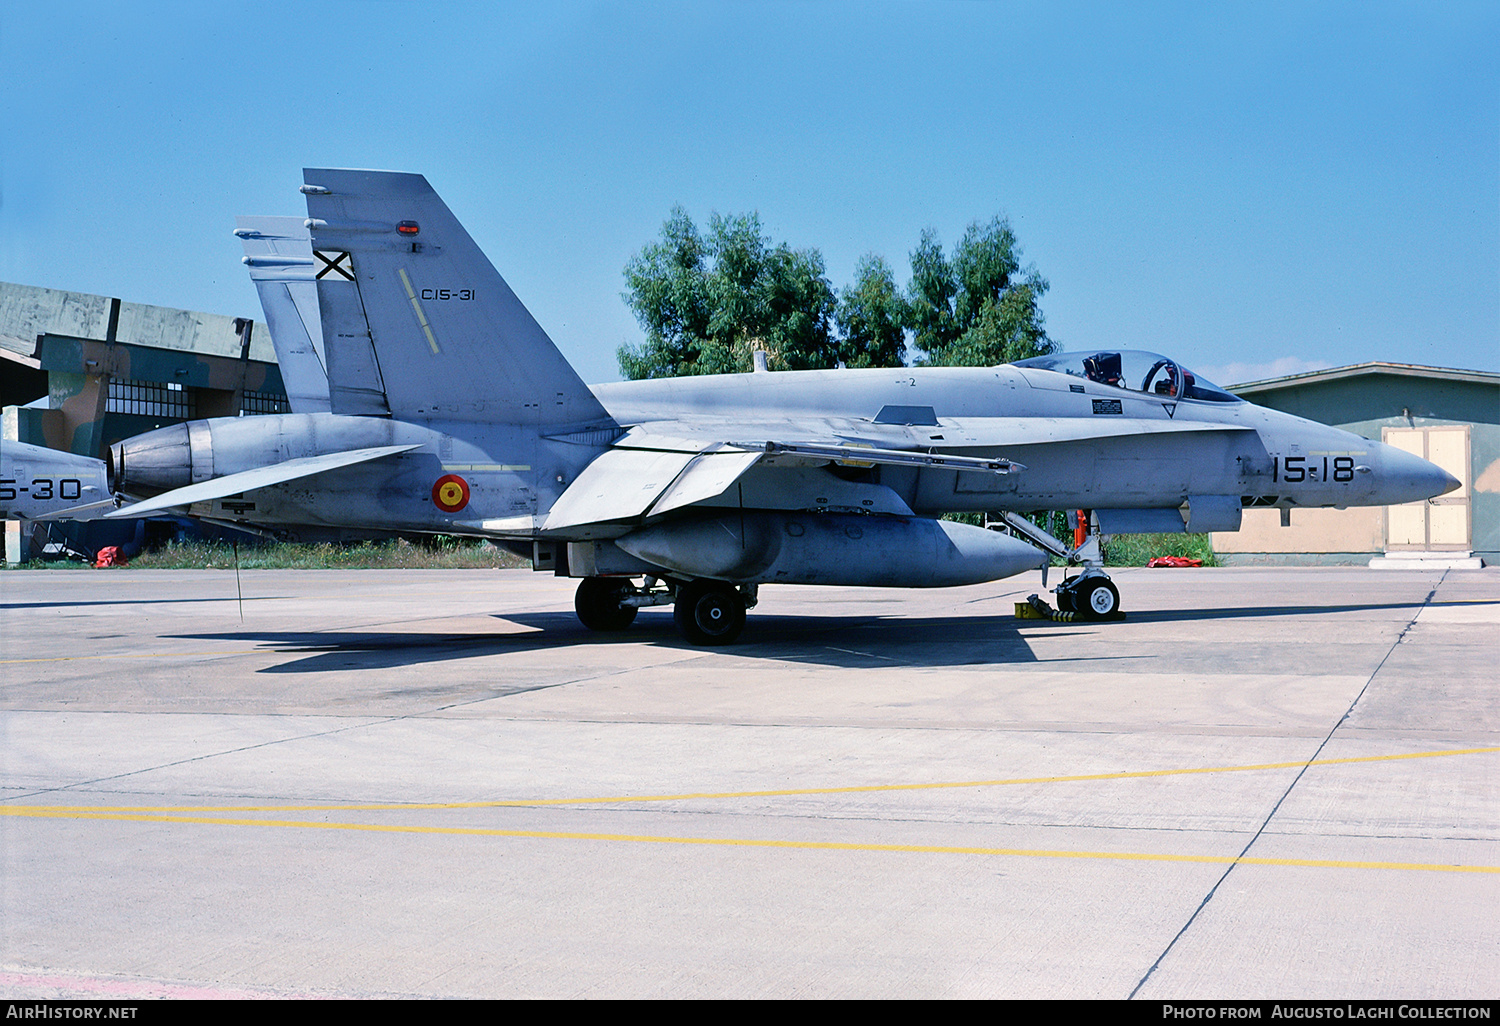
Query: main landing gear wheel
pixel 709 612
pixel 598 603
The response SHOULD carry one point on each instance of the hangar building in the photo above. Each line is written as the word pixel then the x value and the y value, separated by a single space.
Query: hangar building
pixel 79 372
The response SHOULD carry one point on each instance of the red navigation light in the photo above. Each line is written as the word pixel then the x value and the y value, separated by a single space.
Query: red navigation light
pixel 407 227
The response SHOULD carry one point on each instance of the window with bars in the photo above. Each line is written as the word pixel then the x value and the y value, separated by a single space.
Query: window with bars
pixel 169 399
pixel 264 402
pixel 150 399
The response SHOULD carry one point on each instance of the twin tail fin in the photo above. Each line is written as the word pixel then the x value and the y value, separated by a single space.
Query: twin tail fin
pixel 417 323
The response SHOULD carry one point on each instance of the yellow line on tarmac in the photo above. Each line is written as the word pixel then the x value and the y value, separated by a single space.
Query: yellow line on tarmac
pixel 741 842
pixel 20 810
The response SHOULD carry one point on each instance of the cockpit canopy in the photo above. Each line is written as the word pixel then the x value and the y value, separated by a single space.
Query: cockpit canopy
pixel 1134 370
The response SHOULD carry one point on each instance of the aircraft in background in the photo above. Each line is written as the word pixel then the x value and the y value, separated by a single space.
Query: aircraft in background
pixel 37 483
pixel 449 410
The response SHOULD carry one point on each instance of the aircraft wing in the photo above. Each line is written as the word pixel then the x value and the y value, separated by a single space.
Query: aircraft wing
pixel 1012 431
pixel 960 433
pixel 707 476
pixel 860 455
pixel 620 483
pixel 624 483
pixel 630 480
pixel 648 471
pixel 260 477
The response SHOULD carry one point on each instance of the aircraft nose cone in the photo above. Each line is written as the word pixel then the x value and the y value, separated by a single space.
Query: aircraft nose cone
pixel 1409 478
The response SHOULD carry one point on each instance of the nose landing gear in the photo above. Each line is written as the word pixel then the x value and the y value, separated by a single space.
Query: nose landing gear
pixel 1090 594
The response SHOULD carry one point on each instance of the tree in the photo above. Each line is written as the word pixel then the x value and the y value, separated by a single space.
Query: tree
pixel 981 308
pixel 872 318
pixel 707 303
pixel 795 306
pixel 932 290
pixel 668 292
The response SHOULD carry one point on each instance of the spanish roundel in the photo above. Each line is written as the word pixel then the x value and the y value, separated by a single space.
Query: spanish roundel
pixel 450 493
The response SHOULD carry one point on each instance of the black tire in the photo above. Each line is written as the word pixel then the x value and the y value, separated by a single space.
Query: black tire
pixel 1098 599
pixel 709 612
pixel 1065 599
pixel 597 603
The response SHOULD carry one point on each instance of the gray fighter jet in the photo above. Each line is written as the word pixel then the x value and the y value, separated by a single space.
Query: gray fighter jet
pixel 449 410
pixel 37 483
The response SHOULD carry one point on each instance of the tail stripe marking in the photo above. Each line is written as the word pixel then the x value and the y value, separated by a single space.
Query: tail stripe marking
pixel 417 306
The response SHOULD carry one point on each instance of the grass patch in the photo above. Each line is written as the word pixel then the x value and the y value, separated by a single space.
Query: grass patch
pixel 48 564
pixel 448 554
pixel 1137 549
pixel 1121 549
pixel 453 554
pixel 464 553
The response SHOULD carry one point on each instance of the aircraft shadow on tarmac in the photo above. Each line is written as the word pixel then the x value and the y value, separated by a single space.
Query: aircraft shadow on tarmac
pixel 858 642
pixel 854 642
pixel 117 602
pixel 1243 612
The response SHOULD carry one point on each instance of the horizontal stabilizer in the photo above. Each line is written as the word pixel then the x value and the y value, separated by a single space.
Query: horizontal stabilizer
pixel 260 477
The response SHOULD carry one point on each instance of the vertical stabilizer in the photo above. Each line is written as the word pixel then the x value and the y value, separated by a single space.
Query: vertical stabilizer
pixel 278 251
pixel 414 313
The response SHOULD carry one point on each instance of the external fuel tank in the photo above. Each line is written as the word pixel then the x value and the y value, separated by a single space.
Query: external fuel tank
pixel 769 547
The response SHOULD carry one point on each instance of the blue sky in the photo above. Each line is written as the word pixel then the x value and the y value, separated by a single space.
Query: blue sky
pixel 1252 188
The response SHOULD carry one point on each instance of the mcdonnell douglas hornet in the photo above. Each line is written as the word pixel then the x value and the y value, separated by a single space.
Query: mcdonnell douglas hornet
pixel 448 410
